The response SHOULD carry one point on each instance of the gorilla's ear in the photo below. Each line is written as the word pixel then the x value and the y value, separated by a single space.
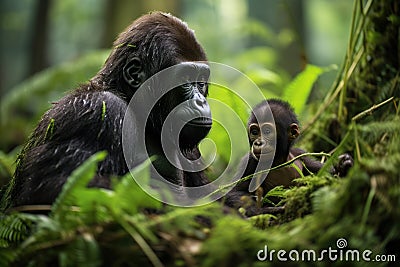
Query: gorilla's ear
pixel 293 131
pixel 133 72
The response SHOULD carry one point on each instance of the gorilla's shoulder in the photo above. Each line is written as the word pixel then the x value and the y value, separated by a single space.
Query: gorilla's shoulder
pixel 87 103
pixel 82 112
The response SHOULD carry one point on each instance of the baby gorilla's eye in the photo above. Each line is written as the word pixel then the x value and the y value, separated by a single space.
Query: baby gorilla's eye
pixel 254 131
pixel 267 129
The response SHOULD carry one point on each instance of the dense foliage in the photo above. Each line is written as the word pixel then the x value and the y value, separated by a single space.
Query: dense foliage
pixel 93 227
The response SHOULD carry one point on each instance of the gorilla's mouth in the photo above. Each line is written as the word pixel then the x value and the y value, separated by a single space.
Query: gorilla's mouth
pixel 262 155
pixel 200 122
pixel 194 131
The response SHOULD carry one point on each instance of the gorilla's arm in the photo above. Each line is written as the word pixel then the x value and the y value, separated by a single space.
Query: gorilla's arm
pixel 345 162
pixel 75 128
pixel 310 165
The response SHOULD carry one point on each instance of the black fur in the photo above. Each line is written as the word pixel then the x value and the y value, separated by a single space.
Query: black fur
pixel 90 118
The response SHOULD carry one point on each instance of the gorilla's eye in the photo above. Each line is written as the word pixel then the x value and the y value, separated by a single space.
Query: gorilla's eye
pixel 254 130
pixel 202 86
pixel 267 128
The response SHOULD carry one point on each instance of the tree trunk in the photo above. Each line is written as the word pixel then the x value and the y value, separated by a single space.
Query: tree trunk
pixel 38 57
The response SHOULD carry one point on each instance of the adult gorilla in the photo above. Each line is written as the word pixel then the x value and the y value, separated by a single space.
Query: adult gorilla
pixel 90 118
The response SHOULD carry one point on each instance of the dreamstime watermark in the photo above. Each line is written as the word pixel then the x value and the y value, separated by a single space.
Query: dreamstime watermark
pixel 135 139
pixel 340 253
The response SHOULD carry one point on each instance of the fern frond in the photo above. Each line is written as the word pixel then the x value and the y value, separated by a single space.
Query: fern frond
pixel 14 228
pixel 373 131
pixel 78 179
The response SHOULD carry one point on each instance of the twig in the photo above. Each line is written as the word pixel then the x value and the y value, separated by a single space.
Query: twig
pixel 140 241
pixel 30 208
pixel 329 99
pixel 365 112
pixel 248 177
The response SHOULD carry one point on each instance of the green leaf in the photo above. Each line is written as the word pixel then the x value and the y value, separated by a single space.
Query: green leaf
pixel 50 84
pixel 264 76
pixel 298 91
pixel 24 104
pixel 14 228
pixel 130 196
pixel 260 56
pixel 78 179
pixel 7 163
pixel 229 120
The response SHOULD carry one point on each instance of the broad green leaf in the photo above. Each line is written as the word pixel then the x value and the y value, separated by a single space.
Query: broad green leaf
pixel 78 179
pixel 129 196
pixel 298 91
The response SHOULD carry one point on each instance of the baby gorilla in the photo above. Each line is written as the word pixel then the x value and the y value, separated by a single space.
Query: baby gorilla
pixel 262 137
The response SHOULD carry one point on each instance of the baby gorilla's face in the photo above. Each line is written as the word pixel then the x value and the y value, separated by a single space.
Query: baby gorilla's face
pixel 262 139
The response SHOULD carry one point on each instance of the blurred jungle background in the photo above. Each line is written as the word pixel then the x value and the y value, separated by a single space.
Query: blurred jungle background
pixel 337 62
pixel 48 47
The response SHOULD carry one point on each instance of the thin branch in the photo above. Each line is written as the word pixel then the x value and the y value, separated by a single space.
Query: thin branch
pixel 248 177
pixel 368 111
pixel 29 208
pixel 329 99
pixel 147 250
